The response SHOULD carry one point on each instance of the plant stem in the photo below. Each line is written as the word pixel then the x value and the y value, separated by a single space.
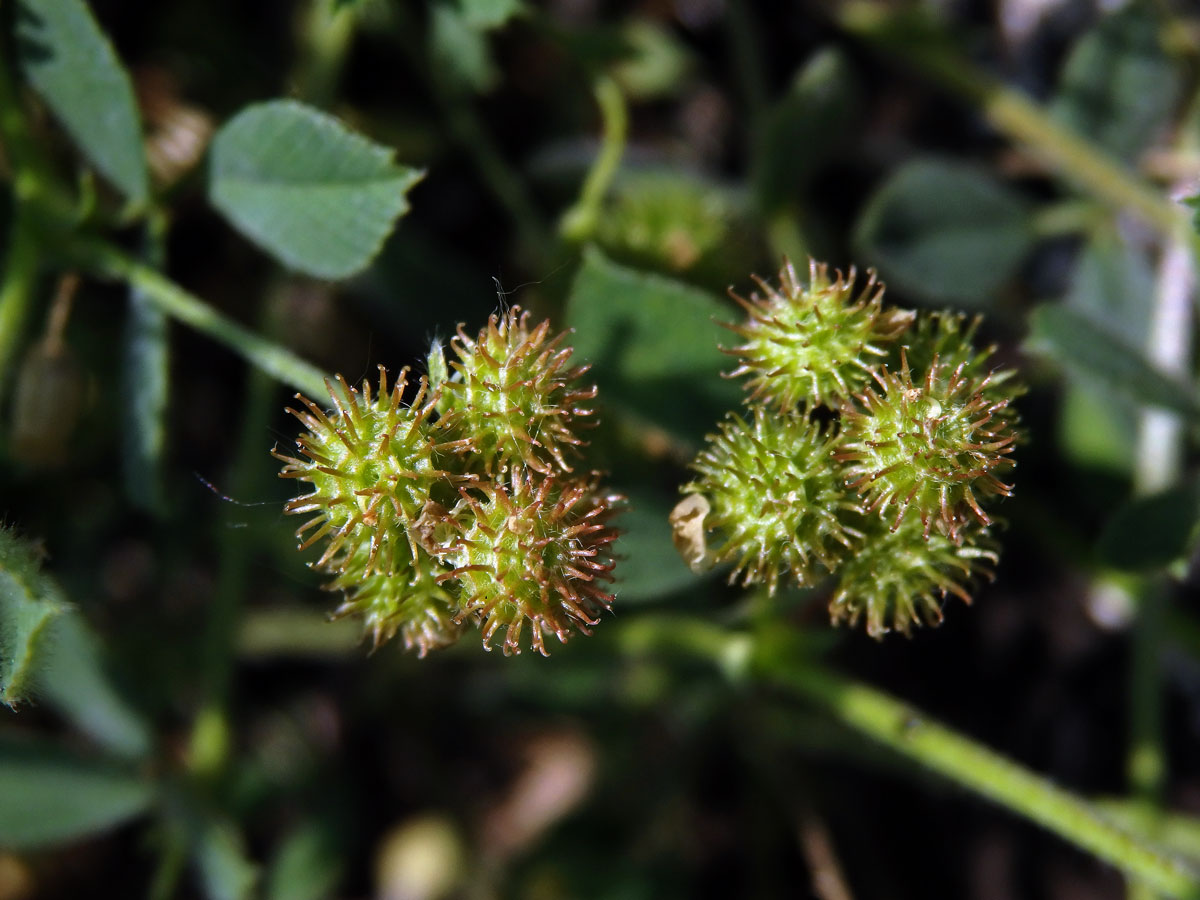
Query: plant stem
pixel 17 288
pixel 145 379
pixel 103 259
pixel 1014 114
pixel 23 257
pixel 1158 465
pixel 579 222
pixel 781 661
pixel 909 732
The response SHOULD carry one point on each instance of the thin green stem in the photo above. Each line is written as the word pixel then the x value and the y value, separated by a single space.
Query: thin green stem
pixel 579 222
pixel 18 286
pixel 1068 217
pixel 1014 114
pixel 19 281
pixel 145 377
pixel 909 732
pixel 782 662
pixel 103 259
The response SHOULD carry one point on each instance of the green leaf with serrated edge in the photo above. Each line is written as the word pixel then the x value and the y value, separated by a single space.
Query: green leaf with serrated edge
pixel 945 232
pixel 653 344
pixel 1119 86
pixel 805 128
pixel 1071 339
pixel 30 602
pixel 1152 532
pixel 71 64
pixel 307 866
pixel 305 188
pixel 75 681
pixel 53 795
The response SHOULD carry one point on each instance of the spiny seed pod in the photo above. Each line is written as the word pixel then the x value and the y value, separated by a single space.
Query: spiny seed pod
pixel 405 599
pixel 899 578
pixel 514 393
pixel 929 447
pixel 816 343
pixel 946 337
pixel 373 463
pixel 667 221
pixel 776 498
pixel 531 552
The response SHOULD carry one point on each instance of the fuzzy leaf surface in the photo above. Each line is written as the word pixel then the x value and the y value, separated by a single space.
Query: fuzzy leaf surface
pixel 29 605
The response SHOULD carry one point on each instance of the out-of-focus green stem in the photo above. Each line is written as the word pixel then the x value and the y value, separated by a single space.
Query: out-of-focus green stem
pixel 579 222
pixel 1014 114
pixel 777 662
pixel 17 287
pixel 21 261
pixel 103 259
pixel 1158 465
pixel 909 732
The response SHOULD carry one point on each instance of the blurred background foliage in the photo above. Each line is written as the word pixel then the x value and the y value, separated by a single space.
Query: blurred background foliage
pixel 197 730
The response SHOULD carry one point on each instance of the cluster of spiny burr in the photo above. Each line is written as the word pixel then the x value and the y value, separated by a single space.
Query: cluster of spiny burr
pixel 451 502
pixel 876 437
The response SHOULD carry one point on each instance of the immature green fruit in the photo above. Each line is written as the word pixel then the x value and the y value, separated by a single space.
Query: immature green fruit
pixel 531 552
pixel 667 221
pixel 775 497
pixel 373 463
pixel 816 343
pixel 945 338
pixel 513 393
pixel 900 577
pixel 933 448
pixel 404 598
